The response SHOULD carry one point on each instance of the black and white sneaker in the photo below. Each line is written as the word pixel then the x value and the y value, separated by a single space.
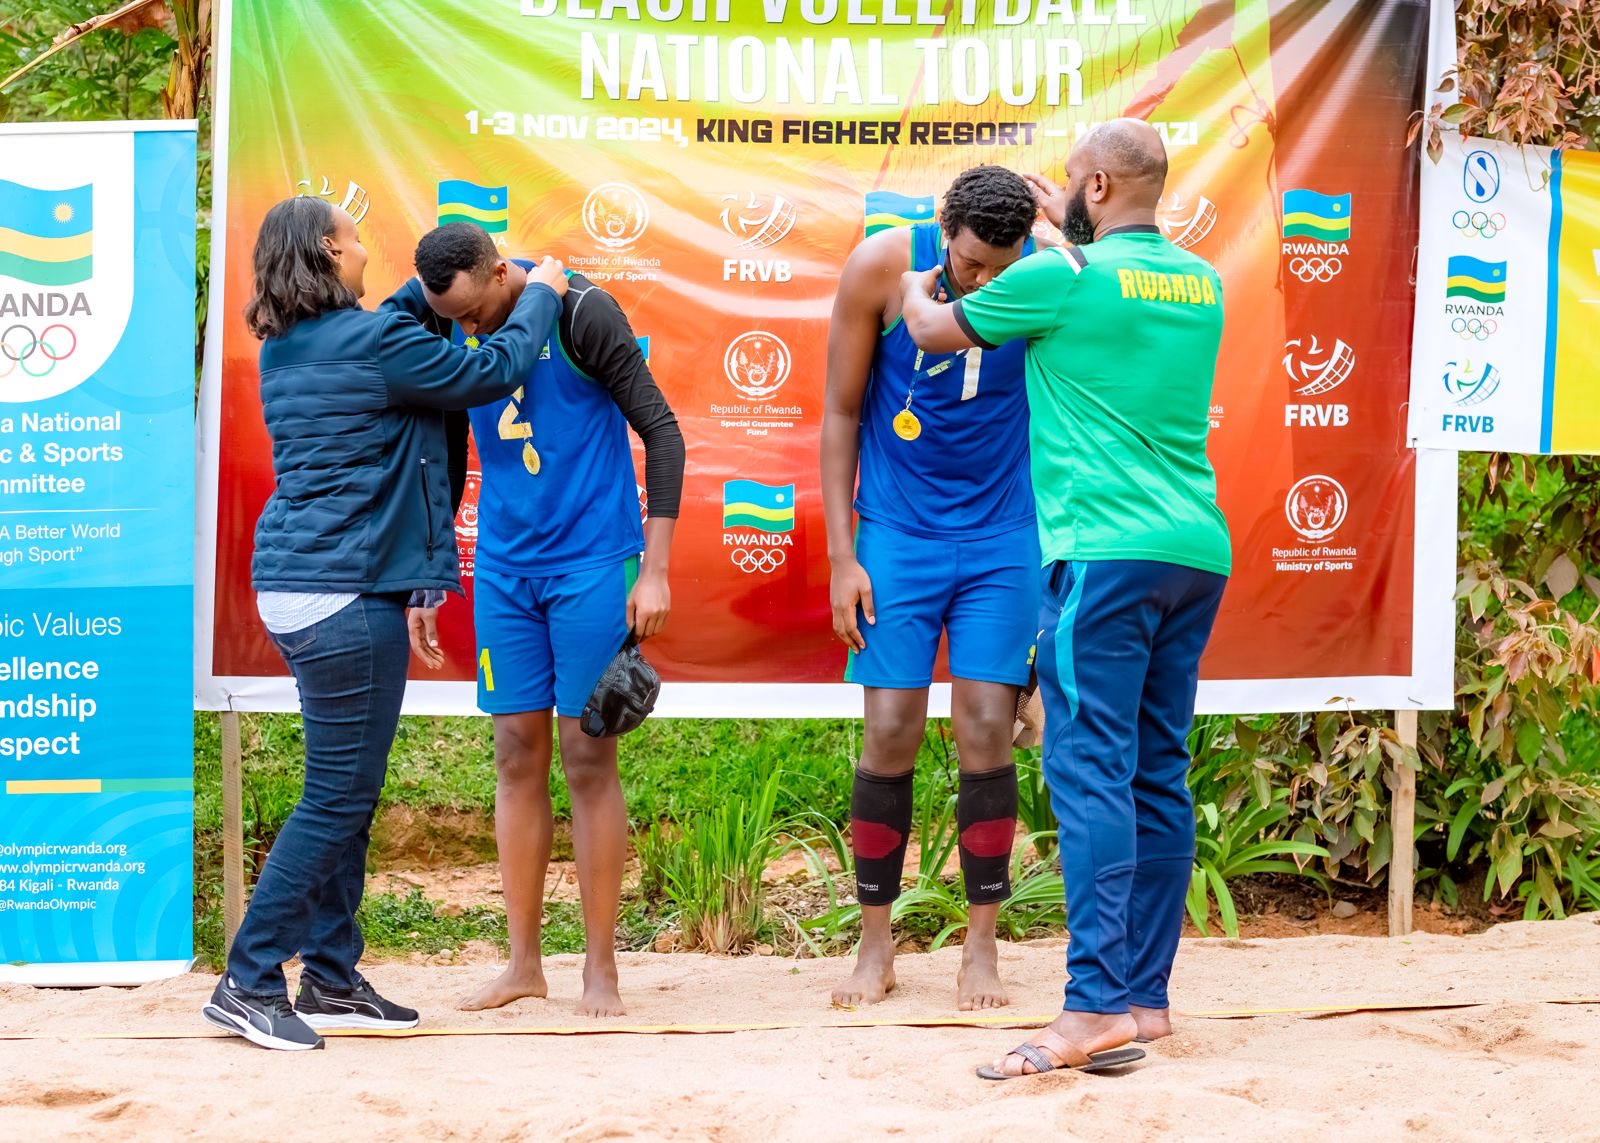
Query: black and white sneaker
pixel 361 1007
pixel 270 1022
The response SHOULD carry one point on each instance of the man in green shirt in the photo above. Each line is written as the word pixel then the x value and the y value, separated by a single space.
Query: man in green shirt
pixel 1123 330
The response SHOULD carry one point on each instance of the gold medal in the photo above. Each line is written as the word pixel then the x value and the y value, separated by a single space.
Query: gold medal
pixel 906 425
pixel 530 459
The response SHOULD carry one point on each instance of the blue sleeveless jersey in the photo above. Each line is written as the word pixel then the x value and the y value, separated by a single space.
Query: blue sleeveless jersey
pixel 581 509
pixel 966 475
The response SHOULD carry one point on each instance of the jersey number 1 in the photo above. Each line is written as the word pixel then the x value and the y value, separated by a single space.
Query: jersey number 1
pixel 969 380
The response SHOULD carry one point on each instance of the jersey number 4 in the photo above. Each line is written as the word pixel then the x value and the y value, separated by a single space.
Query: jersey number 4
pixel 512 429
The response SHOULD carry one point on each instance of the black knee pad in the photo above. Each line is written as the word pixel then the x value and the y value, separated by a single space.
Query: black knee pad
pixel 986 815
pixel 880 826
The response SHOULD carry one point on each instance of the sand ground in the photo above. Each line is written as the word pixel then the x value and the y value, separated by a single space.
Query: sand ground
pixel 1514 1067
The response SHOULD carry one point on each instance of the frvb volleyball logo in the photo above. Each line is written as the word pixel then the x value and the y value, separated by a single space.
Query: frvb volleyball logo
pixel 1314 368
pixel 1187 221
pixel 757 221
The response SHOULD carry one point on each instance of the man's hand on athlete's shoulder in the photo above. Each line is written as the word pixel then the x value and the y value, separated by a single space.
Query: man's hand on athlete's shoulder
pixel 649 604
pixel 849 589
pixel 919 284
pixel 550 272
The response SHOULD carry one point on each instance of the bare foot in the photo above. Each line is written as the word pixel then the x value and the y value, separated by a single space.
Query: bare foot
pixel 1071 1036
pixel 600 996
pixel 873 978
pixel 978 983
pixel 512 984
pixel 1154 1023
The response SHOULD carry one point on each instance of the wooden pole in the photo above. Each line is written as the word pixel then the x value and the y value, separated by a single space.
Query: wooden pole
pixel 1402 825
pixel 232 826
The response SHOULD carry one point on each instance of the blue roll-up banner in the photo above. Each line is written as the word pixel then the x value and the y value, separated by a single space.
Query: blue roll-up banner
pixel 97 377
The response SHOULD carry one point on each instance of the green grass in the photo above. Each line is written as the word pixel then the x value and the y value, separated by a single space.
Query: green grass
pixel 413 923
pixel 672 770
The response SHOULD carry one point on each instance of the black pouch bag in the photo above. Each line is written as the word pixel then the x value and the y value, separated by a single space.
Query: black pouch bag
pixel 624 696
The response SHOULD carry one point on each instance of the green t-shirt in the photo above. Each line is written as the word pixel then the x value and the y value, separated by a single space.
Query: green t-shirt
pixel 1122 351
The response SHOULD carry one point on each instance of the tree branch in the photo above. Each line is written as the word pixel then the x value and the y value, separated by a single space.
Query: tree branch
pixel 76 32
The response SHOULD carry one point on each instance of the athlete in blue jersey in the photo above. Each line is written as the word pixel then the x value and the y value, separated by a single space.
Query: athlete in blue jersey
pixel 558 583
pixel 946 544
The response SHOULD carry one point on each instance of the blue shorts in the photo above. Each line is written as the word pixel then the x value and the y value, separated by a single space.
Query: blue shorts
pixel 985 593
pixel 545 642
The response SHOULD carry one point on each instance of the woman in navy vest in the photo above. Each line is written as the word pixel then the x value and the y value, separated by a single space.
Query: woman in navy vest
pixel 360 519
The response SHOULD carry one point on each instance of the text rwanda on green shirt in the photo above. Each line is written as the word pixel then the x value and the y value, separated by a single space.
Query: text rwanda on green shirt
pixel 1122 353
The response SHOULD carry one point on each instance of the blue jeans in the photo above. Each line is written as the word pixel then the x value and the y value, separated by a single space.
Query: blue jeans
pixel 1118 665
pixel 351 672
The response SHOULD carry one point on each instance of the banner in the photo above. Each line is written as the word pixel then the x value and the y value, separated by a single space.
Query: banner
pixel 712 164
pixel 1507 352
pixel 97 297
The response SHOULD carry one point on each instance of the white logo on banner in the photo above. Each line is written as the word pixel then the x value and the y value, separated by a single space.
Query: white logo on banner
pixel 615 215
pixel 1316 370
pixel 356 201
pixel 467 515
pixel 754 560
pixel 1316 269
pixel 1186 225
pixel 1316 506
pixel 756 221
pixel 757 364
pixel 62 317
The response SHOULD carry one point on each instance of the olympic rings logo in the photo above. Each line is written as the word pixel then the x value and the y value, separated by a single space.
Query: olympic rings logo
pixel 1472 329
pixel 19 346
pixel 1316 269
pixel 750 560
pixel 1478 223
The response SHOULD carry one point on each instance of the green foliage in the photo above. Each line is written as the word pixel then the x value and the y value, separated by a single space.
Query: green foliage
pixel 106 75
pixel 709 869
pixel 1237 844
pixel 145 67
pixel 412 923
pixel 1528 72
pixel 1033 803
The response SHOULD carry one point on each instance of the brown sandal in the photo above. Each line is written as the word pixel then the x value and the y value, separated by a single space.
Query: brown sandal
pixel 1034 1054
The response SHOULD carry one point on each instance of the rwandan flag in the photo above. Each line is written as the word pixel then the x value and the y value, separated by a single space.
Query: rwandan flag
pixel 461 201
pixel 46 236
pixel 1480 281
pixel 764 507
pixel 886 208
pixel 1320 217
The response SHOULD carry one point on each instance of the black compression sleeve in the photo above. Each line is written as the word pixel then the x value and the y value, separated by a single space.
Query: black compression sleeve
pixel 597 332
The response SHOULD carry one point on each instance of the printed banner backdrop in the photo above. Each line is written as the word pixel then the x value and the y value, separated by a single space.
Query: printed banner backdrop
pixel 1507 351
pixel 97 266
pixel 713 163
